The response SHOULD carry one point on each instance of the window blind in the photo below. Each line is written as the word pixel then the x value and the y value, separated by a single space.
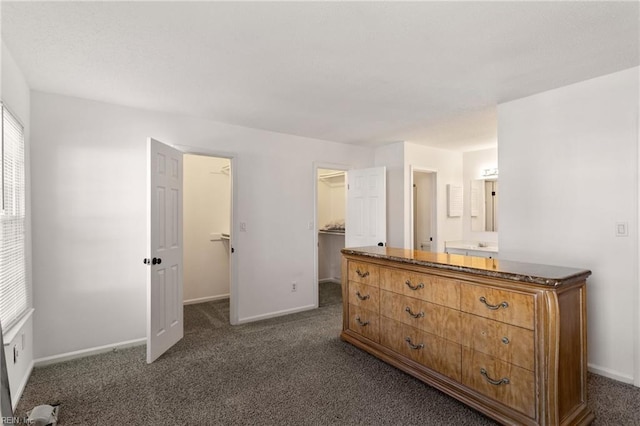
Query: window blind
pixel 14 294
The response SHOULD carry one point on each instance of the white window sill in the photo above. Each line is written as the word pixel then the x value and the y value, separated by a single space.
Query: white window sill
pixel 10 334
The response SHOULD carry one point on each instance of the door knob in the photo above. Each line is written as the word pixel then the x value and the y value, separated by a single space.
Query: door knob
pixel 156 261
pixel 147 261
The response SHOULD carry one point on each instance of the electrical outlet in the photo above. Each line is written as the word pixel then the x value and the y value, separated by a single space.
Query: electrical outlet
pixel 243 227
pixel 294 286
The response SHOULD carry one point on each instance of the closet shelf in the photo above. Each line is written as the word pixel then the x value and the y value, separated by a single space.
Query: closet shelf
pixel 325 176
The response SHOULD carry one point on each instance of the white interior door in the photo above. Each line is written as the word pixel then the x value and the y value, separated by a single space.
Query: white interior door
pixel 164 231
pixel 366 223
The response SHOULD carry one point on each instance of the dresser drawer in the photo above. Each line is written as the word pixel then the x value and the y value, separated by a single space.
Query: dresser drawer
pixel 364 273
pixel 426 349
pixel 506 342
pixel 499 380
pixel 364 322
pixel 421 286
pixel 364 296
pixel 500 305
pixel 432 318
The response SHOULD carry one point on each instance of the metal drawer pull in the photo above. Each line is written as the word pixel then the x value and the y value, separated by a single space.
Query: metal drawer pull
pixel 362 274
pixel 408 283
pixel 411 345
pixel 504 305
pixel 503 381
pixel 505 340
pixel 361 297
pixel 418 315
pixel 362 324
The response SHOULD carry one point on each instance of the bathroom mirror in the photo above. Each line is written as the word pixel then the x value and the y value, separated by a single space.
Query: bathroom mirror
pixel 484 205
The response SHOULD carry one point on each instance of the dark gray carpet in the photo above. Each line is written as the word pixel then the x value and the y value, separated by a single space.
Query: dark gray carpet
pixel 291 370
pixel 329 294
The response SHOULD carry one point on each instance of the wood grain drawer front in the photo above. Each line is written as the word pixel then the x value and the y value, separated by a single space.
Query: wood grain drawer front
pixel 364 273
pixel 402 308
pixel 391 335
pixel 506 342
pixel 431 351
pixel 446 292
pixel 421 286
pixel 364 296
pixel 404 282
pixel 432 318
pixel 499 380
pixel 500 305
pixel 364 322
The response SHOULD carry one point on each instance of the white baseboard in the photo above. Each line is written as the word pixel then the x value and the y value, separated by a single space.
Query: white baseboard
pixel 15 398
pixel 615 375
pixel 54 359
pixel 275 314
pixel 205 299
pixel 330 280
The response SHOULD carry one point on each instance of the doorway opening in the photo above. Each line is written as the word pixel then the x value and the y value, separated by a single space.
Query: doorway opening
pixel 206 228
pixel 330 216
pixel 491 204
pixel 424 210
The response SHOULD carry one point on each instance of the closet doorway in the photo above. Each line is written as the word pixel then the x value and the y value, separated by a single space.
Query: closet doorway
pixel 206 228
pixel 424 211
pixel 330 215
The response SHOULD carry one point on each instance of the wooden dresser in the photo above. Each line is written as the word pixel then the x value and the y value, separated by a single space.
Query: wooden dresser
pixel 506 338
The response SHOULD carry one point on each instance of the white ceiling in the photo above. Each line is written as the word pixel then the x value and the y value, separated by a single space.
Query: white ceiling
pixel 357 72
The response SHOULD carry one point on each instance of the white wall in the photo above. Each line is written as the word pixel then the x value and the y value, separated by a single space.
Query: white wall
pixel 325 215
pixel 14 92
pixel 89 195
pixel 448 166
pixel 206 210
pixel 568 173
pixel 474 163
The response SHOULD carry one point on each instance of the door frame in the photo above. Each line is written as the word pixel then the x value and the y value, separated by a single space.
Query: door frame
pixel 331 166
pixel 434 206
pixel 234 301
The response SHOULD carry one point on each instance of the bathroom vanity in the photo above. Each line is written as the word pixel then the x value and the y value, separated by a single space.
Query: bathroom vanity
pixel 472 248
pixel 506 338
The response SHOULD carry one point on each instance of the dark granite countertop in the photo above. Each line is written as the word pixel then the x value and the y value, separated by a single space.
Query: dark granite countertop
pixel 547 275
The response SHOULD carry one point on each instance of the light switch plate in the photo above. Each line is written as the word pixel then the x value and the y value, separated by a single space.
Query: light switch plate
pixel 622 229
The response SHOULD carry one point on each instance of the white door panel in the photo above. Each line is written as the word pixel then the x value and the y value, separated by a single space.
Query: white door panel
pixel 164 278
pixel 366 223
